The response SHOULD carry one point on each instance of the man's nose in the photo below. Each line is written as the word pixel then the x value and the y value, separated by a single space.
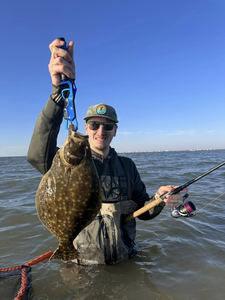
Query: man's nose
pixel 101 129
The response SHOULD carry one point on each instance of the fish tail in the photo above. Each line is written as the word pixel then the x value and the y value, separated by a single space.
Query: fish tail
pixel 65 253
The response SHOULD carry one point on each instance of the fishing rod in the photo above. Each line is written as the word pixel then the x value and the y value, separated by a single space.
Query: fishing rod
pixel 184 210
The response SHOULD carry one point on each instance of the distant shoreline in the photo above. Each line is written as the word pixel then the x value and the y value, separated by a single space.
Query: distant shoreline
pixel 155 151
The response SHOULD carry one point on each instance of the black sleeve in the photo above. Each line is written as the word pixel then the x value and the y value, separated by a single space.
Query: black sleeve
pixel 43 145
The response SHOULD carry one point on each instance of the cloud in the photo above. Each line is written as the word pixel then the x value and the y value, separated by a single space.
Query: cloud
pixel 210 131
pixel 125 132
pixel 183 132
pixel 158 132
pixel 162 133
pixel 129 132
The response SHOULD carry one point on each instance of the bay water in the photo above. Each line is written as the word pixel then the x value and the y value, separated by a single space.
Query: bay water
pixel 182 259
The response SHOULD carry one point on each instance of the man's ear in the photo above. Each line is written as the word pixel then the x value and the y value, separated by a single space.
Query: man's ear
pixel 115 130
pixel 86 127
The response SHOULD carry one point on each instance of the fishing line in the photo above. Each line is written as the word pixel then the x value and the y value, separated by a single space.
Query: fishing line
pixel 209 203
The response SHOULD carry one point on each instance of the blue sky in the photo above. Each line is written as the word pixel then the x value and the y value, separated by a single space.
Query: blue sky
pixel 160 63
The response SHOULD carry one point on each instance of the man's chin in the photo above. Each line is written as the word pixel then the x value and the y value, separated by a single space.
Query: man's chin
pixel 101 147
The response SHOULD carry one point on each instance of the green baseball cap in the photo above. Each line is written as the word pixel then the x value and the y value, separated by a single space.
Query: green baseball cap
pixel 101 110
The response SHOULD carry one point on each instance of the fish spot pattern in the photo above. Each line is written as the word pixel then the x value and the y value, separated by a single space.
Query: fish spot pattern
pixel 69 196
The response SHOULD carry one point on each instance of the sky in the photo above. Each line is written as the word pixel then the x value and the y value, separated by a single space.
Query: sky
pixel 160 63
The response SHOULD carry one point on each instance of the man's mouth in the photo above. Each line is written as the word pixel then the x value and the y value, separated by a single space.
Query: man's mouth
pixel 100 139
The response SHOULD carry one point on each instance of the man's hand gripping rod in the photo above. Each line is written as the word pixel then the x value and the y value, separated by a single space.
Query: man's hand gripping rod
pixel 163 196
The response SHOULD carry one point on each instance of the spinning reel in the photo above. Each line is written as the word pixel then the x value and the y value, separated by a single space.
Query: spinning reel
pixel 186 209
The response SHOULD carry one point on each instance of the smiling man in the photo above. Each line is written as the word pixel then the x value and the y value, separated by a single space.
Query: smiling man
pixel 101 127
pixel 106 240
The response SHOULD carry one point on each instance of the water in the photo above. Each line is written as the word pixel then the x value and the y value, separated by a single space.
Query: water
pixel 180 258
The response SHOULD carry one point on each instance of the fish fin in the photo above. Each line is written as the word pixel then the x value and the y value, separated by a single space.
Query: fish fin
pixel 65 253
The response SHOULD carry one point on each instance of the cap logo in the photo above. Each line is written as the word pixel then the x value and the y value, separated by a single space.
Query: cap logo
pixel 101 109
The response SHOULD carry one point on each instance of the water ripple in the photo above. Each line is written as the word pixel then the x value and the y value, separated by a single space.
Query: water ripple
pixel 178 258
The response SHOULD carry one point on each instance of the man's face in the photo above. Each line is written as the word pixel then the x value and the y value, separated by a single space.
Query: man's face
pixel 100 139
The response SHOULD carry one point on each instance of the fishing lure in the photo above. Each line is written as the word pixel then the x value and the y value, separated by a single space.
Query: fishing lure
pixel 68 94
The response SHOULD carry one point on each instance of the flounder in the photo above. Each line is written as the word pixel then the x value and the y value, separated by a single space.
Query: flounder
pixel 69 196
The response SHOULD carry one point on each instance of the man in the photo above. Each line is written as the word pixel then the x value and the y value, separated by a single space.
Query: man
pixel 107 239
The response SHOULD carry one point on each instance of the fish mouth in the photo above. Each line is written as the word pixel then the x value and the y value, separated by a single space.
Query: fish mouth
pixel 69 153
pixel 77 136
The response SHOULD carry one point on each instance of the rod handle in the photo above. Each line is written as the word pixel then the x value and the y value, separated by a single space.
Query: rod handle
pixel 142 210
